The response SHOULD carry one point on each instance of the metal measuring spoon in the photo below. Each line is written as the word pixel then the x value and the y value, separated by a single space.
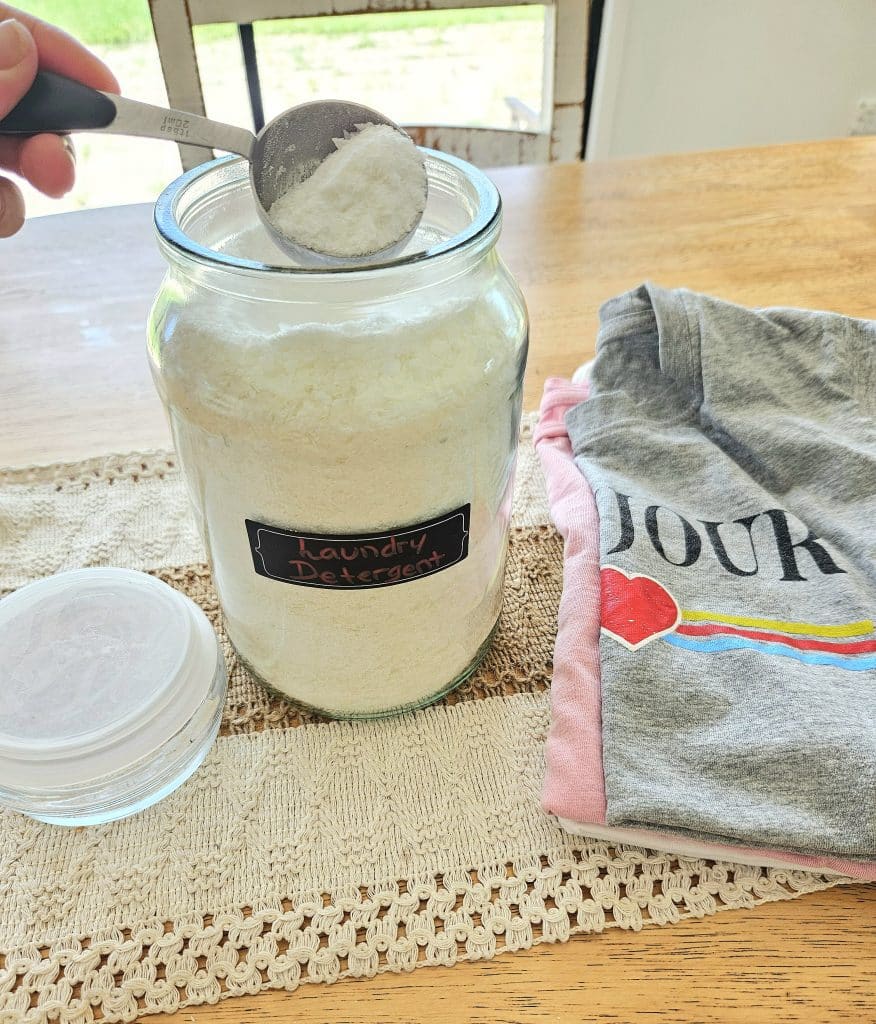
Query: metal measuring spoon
pixel 283 154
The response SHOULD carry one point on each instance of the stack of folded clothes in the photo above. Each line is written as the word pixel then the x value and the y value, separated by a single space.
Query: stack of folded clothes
pixel 714 481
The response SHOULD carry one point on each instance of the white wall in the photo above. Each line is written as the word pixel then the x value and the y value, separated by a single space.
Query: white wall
pixel 677 75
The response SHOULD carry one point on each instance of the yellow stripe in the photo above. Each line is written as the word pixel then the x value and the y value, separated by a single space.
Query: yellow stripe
pixel 849 629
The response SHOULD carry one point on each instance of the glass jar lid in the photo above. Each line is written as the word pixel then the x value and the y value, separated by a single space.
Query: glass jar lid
pixel 101 667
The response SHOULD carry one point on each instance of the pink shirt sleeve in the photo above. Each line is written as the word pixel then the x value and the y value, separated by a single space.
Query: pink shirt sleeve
pixel 574 785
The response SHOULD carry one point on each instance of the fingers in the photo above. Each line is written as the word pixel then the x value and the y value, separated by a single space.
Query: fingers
pixel 18 63
pixel 11 208
pixel 47 164
pixel 60 52
pixel 46 161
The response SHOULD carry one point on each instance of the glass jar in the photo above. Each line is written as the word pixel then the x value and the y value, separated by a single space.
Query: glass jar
pixel 348 438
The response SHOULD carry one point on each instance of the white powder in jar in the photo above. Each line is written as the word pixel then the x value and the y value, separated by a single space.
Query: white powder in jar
pixel 345 425
pixel 361 199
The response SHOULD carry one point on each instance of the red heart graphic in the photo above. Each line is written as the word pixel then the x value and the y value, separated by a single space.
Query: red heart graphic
pixel 636 609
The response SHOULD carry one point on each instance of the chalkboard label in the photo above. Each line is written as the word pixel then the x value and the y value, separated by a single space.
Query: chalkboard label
pixel 361 561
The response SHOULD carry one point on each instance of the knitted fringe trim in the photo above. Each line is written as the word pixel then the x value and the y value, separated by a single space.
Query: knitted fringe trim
pixel 108 469
pixel 163 966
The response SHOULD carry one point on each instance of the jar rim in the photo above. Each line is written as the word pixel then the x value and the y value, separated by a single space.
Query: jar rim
pixel 485 221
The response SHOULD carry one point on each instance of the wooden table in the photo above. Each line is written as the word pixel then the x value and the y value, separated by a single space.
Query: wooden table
pixel 791 225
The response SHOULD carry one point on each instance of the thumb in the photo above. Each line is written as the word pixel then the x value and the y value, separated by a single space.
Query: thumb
pixel 18 63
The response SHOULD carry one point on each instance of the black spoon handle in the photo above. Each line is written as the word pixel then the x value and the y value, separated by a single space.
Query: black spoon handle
pixel 58 104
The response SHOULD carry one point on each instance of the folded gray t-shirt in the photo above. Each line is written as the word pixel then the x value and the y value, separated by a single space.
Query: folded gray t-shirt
pixel 732 453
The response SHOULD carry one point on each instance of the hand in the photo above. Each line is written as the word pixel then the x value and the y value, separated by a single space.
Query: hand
pixel 46 161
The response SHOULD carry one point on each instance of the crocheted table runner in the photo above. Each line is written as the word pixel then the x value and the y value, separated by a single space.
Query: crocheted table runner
pixel 305 850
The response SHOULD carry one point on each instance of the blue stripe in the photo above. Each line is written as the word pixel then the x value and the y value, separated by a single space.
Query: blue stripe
pixel 715 645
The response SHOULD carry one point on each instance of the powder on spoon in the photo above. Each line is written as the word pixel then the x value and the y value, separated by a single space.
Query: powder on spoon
pixel 361 199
